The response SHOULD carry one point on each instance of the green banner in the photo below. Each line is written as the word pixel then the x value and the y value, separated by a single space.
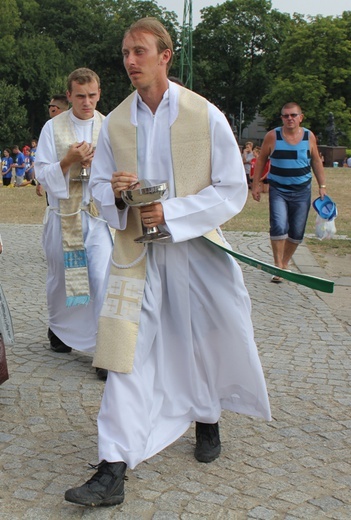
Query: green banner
pixel 319 284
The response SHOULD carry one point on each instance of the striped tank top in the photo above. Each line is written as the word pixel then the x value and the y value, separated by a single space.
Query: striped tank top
pixel 290 163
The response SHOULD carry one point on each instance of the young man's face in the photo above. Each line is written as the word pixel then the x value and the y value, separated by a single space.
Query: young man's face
pixel 145 66
pixel 84 99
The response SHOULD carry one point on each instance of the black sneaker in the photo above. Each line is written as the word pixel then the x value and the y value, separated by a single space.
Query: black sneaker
pixel 105 488
pixel 101 374
pixel 208 443
pixel 56 344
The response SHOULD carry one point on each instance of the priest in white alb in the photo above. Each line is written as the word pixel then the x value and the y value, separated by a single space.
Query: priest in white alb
pixel 76 239
pixel 175 331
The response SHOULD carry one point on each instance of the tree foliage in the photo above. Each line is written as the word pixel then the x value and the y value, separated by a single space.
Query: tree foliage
pixel 244 51
pixel 314 69
pixel 13 116
pixel 48 39
pixel 235 49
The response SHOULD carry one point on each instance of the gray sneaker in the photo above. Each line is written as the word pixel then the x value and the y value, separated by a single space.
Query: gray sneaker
pixel 105 488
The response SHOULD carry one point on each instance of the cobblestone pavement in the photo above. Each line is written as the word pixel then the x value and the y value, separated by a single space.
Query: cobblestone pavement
pixel 298 466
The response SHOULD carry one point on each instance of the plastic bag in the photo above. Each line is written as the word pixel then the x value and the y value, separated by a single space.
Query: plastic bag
pixel 325 228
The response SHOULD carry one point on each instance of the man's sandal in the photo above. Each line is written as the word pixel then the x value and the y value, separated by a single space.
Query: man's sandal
pixel 276 279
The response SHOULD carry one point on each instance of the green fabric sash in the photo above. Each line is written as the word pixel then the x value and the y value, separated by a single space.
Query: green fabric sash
pixel 313 282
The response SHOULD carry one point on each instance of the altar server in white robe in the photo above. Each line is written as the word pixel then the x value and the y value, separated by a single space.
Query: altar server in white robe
pixel 175 331
pixel 76 240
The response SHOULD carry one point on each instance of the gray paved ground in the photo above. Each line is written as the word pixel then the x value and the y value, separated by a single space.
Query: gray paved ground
pixel 296 467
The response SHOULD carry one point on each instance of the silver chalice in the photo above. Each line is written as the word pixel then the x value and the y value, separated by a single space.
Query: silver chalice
pixel 84 175
pixel 144 193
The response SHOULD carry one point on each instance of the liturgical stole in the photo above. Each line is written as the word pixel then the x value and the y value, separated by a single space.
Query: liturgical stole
pixel 74 254
pixel 191 153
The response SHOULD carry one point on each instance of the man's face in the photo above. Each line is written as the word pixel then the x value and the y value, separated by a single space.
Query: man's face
pixel 54 109
pixel 295 117
pixel 144 65
pixel 84 99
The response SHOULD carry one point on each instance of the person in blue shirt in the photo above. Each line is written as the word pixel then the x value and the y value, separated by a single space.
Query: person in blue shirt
pixel 6 167
pixel 293 153
pixel 27 161
pixel 32 160
pixel 19 164
pixel 33 149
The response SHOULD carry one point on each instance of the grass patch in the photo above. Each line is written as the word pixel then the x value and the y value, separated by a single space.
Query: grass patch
pixel 23 206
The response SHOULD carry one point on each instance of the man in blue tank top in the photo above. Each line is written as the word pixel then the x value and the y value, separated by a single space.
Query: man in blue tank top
pixel 292 151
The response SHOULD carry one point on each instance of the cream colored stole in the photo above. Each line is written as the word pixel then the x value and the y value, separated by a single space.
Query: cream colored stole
pixel 75 259
pixel 191 156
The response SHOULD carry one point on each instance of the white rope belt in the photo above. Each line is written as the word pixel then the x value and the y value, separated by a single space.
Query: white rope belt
pixel 82 208
pixel 132 264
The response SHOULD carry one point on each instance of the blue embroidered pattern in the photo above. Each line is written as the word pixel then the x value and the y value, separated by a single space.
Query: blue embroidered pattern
pixel 75 259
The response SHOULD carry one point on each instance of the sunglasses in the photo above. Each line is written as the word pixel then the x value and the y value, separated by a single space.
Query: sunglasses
pixel 286 116
pixel 53 106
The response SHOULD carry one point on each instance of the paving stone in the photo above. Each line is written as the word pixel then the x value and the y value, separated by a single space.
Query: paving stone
pixel 295 467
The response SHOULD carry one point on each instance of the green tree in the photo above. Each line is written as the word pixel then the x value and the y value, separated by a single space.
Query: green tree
pixel 315 71
pixel 10 19
pixel 50 38
pixel 306 90
pixel 236 47
pixel 14 123
pixel 39 68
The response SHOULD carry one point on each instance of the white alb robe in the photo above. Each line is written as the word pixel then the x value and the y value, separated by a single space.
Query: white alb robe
pixel 195 353
pixel 76 326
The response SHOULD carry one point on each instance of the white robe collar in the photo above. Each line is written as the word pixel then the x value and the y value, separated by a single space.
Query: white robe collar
pixel 172 93
pixel 81 122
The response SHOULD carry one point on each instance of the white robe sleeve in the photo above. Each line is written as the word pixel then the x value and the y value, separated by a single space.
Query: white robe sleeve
pixel 47 166
pixel 194 215
pixel 102 168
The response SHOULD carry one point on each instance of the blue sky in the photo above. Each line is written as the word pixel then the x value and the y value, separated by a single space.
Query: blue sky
pixel 312 7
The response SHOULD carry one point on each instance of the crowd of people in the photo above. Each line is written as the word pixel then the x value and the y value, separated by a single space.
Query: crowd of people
pixel 17 166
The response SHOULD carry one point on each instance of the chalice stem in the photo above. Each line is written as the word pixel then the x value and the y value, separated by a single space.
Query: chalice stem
pixel 152 230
